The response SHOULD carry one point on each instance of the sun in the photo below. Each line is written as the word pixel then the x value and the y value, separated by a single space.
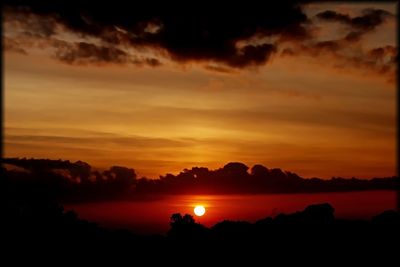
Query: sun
pixel 199 210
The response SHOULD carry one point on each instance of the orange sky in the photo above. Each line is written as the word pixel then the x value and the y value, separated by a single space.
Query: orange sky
pixel 316 116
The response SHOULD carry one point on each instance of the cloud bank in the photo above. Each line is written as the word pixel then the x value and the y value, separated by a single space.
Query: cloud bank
pixel 220 38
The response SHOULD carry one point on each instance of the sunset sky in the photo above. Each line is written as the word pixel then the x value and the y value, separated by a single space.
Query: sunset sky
pixel 315 95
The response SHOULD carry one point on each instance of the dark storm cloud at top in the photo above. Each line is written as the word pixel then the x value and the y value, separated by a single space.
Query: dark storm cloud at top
pixel 199 31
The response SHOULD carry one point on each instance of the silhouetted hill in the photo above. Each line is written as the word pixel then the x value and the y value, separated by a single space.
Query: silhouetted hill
pixel 37 227
pixel 77 181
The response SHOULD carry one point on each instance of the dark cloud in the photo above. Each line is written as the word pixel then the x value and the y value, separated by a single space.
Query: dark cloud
pixel 360 25
pixel 32 25
pixel 82 52
pixel 252 55
pixel 381 53
pixel 152 62
pixel 334 16
pixel 353 36
pixel 204 32
pixel 12 45
pixel 219 69
pixel 245 36
pixel 288 52
pixel 368 21
pixel 315 49
pixel 385 58
pixel 87 53
pixel 380 60
pixel 133 141
pixel 327 45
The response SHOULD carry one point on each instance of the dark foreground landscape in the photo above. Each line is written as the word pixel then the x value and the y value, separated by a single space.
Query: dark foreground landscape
pixel 36 226
pixel 43 230
pixel 39 230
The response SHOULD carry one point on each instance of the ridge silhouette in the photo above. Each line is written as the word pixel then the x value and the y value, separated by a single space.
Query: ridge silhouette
pixel 37 224
pixel 77 181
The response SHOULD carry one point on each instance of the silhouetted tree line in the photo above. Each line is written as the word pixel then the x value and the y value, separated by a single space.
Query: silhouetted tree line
pixel 78 181
pixel 68 180
pixel 35 224
pixel 313 216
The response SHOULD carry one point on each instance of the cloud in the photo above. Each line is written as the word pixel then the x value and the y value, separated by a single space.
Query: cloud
pixel 348 51
pixel 251 55
pixel 387 53
pixel 380 60
pixel 82 52
pixel 132 141
pixel 197 34
pixel 370 18
pixel 30 24
pixel 219 69
pixel 353 36
pixel 334 16
pixel 12 45
pixel 146 34
pixel 87 53
pixel 79 53
pixel 152 62
pixel 327 45
pixel 368 21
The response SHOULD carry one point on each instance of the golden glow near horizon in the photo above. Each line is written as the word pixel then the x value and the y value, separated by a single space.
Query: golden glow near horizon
pixel 295 113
